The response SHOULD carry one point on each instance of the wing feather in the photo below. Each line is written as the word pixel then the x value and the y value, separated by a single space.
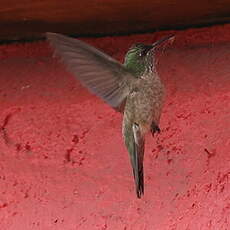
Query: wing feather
pixel 97 71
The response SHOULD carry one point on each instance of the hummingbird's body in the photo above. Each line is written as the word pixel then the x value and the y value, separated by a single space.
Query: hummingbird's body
pixel 135 84
pixel 141 115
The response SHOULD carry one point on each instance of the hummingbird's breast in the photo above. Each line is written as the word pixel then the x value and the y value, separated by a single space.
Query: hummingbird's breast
pixel 144 103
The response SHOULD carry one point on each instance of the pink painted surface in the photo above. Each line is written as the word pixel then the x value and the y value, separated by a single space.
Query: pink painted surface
pixel 63 164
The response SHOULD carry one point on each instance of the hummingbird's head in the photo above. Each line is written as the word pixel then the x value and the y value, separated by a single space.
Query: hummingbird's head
pixel 139 57
pixel 139 50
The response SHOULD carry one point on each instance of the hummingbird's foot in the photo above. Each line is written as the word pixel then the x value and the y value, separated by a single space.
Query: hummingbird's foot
pixel 154 128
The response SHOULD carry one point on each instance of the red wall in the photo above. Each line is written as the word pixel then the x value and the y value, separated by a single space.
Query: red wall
pixel 63 164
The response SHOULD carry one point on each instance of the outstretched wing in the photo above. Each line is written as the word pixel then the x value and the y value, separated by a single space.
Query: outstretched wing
pixel 100 73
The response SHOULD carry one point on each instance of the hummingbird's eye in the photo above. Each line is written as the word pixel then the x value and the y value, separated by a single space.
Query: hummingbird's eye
pixel 143 53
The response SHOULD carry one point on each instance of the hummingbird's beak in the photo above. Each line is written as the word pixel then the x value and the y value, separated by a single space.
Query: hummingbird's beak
pixel 167 38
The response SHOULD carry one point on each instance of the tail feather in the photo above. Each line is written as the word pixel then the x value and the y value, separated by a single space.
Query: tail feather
pixel 137 159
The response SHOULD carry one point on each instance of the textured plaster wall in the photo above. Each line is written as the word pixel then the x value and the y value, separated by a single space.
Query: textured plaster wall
pixel 63 164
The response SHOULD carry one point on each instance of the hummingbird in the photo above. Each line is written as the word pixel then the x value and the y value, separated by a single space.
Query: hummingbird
pixel 133 88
